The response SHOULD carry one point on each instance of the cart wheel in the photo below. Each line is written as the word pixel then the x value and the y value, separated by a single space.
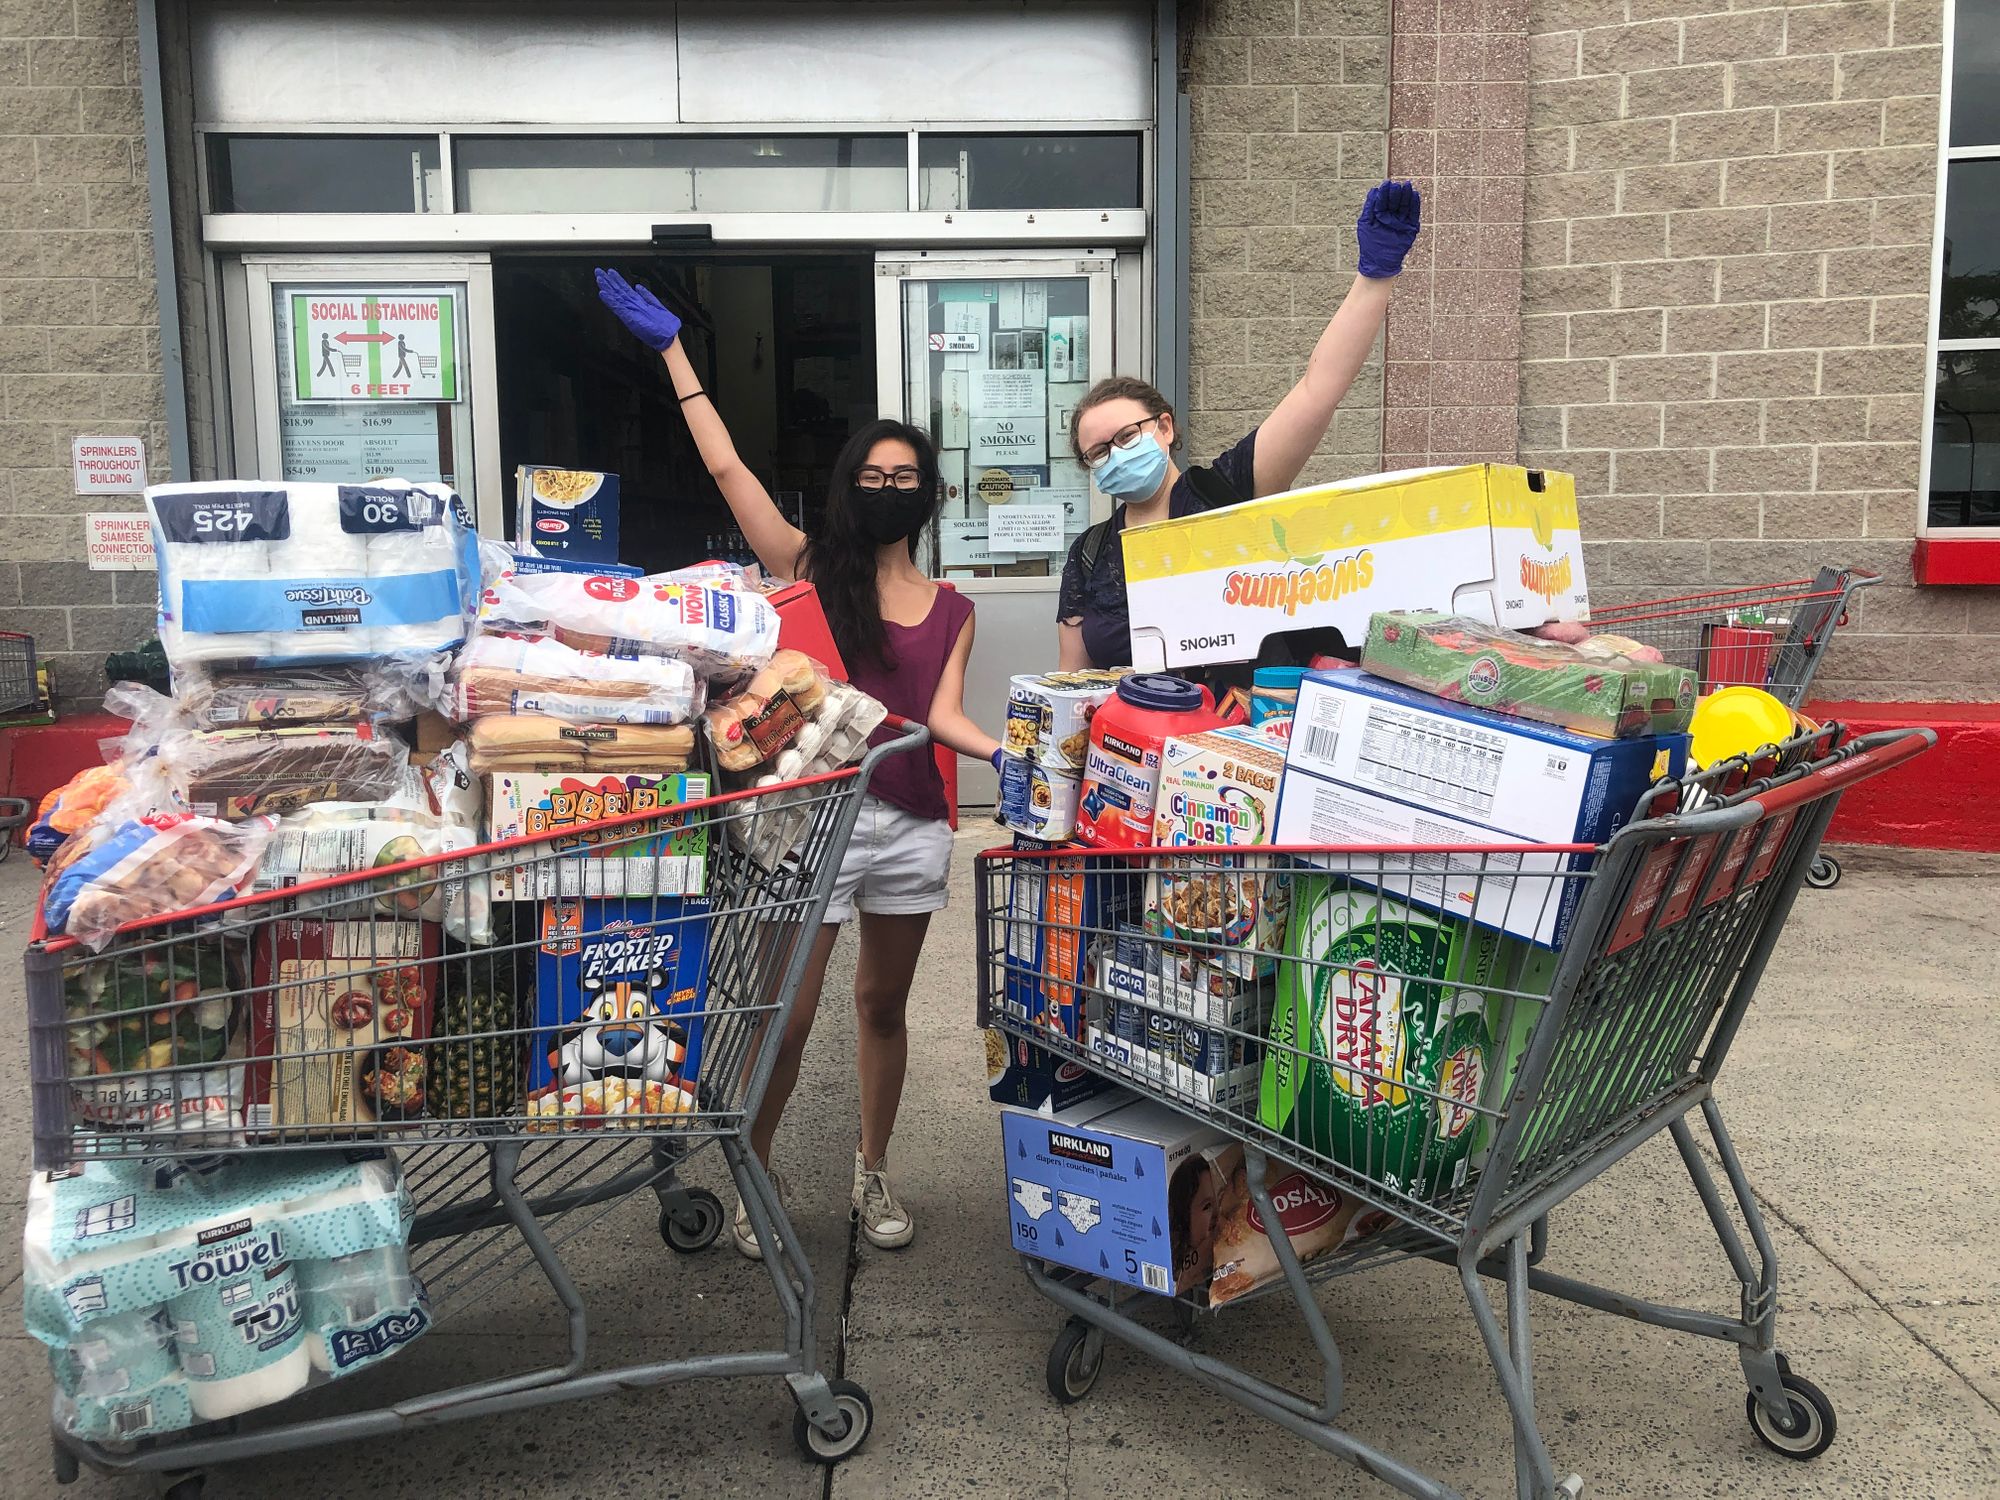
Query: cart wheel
pixel 828 1448
pixel 1823 874
pixel 63 1464
pixel 1809 1432
pixel 695 1226
pixel 1076 1359
pixel 180 1486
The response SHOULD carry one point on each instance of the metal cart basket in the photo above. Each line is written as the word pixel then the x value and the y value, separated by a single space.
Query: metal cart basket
pixel 345 1012
pixel 1387 1033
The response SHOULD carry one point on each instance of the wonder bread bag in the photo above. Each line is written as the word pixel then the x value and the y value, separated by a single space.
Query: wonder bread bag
pixel 726 633
pixel 1380 1043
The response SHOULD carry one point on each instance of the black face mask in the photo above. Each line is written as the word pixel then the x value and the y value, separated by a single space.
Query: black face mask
pixel 888 515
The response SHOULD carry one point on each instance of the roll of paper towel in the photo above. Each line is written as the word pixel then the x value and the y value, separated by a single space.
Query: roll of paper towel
pixel 360 1308
pixel 240 1332
pixel 120 1355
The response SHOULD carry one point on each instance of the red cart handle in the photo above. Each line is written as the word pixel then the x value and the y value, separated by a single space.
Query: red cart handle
pixel 1871 756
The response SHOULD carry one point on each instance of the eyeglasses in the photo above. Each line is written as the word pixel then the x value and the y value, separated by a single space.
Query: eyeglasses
pixel 906 480
pixel 1095 455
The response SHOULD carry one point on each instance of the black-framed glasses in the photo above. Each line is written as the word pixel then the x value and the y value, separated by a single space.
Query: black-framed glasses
pixel 906 479
pixel 1095 455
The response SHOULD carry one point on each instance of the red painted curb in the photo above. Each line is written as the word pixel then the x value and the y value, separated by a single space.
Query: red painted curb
pixel 1946 799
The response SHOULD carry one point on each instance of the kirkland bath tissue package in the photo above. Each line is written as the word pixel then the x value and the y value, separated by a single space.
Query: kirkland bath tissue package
pixel 269 573
pixel 176 1292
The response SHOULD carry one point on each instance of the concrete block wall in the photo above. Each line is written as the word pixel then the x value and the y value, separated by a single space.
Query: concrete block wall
pixel 1290 107
pixel 1725 304
pixel 79 324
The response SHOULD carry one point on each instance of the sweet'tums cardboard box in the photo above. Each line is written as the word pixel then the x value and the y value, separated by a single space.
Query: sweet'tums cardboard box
pixel 1494 542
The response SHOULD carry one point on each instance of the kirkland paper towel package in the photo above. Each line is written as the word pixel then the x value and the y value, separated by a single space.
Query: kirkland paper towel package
pixel 171 1293
pixel 273 573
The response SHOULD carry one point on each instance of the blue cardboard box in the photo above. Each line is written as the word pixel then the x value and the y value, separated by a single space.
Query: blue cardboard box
pixel 566 513
pixel 1060 913
pixel 534 562
pixel 1020 1074
pixel 620 993
pixel 1373 762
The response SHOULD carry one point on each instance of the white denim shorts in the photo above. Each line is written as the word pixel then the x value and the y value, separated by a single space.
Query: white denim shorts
pixel 897 864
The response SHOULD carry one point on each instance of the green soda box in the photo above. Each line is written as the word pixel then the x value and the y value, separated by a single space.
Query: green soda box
pixel 1377 1000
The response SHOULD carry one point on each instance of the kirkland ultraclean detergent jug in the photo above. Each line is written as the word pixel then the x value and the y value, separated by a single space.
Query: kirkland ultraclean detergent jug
pixel 1121 770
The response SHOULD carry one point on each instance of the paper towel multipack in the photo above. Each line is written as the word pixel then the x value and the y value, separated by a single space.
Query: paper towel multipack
pixel 264 572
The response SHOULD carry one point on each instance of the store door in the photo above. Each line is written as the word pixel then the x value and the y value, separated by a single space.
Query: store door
pixel 346 367
pixel 990 356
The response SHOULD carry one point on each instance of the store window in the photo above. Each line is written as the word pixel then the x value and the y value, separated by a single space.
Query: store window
pixel 1028 171
pixel 681 174
pixel 324 174
pixel 996 367
pixel 1965 415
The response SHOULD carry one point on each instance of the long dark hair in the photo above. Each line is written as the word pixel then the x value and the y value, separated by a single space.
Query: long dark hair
pixel 839 557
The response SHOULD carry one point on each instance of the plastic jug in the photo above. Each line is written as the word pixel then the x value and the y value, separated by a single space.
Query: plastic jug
pixel 1121 770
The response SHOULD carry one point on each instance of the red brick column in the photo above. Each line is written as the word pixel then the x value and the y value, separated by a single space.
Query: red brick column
pixel 1458 116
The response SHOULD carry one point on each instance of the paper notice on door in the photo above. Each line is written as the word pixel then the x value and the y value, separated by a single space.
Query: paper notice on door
pixel 966 317
pixel 1010 304
pixel 1026 528
pixel 954 408
pixel 962 544
pixel 1010 440
pixel 1034 303
pixel 1072 500
pixel 1063 397
pixel 1009 393
pixel 951 479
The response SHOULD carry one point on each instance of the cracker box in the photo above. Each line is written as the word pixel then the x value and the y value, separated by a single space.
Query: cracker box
pixel 620 991
pixel 1374 762
pixel 1048 715
pixel 335 1007
pixel 1060 912
pixel 671 862
pixel 1589 688
pixel 1494 542
pixel 1381 1040
pixel 1137 966
pixel 1219 786
pixel 1142 1196
pixel 566 513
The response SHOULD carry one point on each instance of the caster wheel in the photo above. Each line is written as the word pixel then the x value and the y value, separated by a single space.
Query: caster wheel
pixel 827 1448
pixel 180 1487
pixel 1075 1361
pixel 695 1226
pixel 1823 874
pixel 1810 1430
pixel 63 1464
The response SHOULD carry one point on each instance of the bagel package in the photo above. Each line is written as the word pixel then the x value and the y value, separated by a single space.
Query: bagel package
pixel 767 715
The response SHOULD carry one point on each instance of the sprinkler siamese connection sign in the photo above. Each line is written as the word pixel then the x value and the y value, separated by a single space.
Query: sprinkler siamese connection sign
pixel 375 344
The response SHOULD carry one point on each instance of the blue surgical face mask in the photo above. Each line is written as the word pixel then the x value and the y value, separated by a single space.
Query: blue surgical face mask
pixel 1134 472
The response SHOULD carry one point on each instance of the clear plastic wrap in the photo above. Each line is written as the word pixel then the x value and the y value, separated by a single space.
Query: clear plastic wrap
pixel 755 724
pixel 535 742
pixel 721 633
pixel 835 734
pixel 1586 687
pixel 279 696
pixel 500 673
pixel 119 872
pixel 240 773
pixel 72 807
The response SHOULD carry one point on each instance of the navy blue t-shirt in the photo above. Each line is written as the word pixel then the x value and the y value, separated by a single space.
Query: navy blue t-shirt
pixel 1098 602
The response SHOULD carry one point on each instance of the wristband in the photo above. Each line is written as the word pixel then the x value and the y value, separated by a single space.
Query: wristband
pixel 691 395
pixel 997 758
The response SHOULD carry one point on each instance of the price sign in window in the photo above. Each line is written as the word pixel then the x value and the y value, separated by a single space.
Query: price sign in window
pixel 371 383
pixel 995 367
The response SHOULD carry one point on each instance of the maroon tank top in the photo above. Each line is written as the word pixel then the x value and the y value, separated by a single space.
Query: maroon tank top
pixel 910 780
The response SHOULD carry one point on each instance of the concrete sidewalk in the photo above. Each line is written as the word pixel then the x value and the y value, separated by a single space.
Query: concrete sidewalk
pixel 1859 1095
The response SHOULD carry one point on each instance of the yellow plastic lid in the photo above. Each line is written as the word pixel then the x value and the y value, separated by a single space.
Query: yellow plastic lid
pixel 1737 721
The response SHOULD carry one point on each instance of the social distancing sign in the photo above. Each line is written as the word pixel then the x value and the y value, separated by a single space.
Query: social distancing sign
pixel 375 344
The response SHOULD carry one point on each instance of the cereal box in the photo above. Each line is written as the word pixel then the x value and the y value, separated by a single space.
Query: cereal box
pixel 604 862
pixel 566 513
pixel 1048 716
pixel 1060 911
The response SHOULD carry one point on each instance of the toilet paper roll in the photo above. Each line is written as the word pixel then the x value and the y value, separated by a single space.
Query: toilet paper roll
pixel 240 1337
pixel 319 545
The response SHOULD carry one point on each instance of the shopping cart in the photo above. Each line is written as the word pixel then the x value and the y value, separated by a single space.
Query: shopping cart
pixel 1441 1085
pixel 19 686
pixel 517 1127
pixel 1765 635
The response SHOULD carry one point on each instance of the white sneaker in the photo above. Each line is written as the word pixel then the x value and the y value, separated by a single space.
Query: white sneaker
pixel 885 1222
pixel 743 1231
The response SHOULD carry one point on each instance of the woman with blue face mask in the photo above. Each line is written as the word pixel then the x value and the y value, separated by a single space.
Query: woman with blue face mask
pixel 1125 433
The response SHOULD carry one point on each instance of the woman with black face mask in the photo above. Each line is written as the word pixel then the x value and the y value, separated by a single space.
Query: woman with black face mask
pixel 905 642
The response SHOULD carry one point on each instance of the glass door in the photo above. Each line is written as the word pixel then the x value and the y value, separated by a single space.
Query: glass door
pixel 359 368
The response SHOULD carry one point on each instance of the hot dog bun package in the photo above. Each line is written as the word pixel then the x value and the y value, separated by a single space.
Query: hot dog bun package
pixel 499 673
pixel 721 633
pixel 273 573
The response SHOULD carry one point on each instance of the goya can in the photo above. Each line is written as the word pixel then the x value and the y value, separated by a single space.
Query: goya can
pixel 1380 1049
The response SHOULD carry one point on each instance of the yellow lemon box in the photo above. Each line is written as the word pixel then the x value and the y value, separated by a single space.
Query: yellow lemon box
pixel 1494 542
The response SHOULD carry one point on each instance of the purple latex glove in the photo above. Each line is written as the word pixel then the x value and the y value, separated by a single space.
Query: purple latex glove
pixel 1388 227
pixel 638 309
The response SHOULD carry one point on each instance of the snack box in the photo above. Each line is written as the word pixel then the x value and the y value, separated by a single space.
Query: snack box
pixel 333 1005
pixel 620 991
pixel 1038 801
pixel 1048 714
pixel 1059 911
pixel 1374 762
pixel 1140 968
pixel 1495 542
pixel 1591 689
pixel 1219 786
pixel 1193 1058
pixel 1140 1195
pixel 566 513
pixel 638 864
pixel 1029 1077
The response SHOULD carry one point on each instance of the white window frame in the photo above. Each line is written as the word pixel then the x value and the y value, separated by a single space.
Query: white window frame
pixel 1933 343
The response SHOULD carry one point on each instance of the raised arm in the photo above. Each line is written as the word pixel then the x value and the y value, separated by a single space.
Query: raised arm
pixel 1385 231
pixel 776 541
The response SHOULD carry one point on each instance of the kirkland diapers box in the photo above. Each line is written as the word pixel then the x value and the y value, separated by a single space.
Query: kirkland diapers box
pixel 566 513
pixel 1493 542
pixel 1373 762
